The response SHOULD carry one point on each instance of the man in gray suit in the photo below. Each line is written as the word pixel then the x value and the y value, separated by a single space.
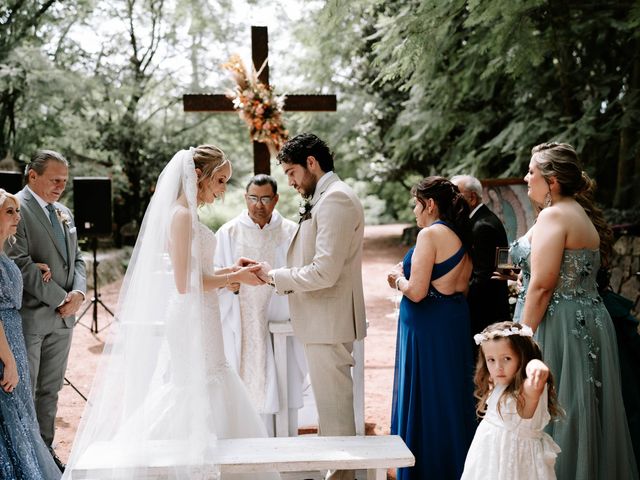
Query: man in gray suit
pixel 323 279
pixel 47 235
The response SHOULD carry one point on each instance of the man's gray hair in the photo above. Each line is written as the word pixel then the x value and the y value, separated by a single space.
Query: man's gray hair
pixel 470 183
pixel 40 160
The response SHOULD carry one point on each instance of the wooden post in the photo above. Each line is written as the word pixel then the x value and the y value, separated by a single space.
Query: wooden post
pixel 293 103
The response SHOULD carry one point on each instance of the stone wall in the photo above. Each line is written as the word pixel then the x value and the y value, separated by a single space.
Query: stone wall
pixel 625 268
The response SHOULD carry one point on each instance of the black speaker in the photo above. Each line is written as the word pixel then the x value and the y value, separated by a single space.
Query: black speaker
pixel 92 205
pixel 11 181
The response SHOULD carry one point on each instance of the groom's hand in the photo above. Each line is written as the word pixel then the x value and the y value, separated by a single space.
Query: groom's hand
pixel 250 275
pixel 263 273
pixel 244 262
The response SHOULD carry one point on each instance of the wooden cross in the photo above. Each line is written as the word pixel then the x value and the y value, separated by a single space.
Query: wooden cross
pixel 293 103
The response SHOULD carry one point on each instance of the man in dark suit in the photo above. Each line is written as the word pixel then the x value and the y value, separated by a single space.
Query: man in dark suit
pixel 488 299
pixel 48 235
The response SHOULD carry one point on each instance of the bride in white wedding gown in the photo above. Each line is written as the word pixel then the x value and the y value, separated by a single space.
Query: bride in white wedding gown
pixel 163 378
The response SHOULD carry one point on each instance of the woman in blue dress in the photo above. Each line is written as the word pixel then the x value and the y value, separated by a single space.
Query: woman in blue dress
pixel 23 454
pixel 433 406
pixel 560 257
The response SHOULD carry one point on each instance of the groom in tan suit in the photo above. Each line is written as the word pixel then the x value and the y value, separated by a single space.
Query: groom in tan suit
pixel 323 279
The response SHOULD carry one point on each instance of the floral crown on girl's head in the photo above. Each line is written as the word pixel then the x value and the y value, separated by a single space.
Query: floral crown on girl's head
pixel 523 331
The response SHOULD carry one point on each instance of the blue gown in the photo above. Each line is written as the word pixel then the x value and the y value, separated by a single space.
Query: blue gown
pixel 23 454
pixel 433 407
pixel 578 343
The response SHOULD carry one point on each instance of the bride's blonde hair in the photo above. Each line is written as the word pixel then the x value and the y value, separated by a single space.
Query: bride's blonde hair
pixel 209 159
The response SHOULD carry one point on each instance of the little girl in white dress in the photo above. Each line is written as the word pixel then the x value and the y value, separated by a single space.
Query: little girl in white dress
pixel 516 400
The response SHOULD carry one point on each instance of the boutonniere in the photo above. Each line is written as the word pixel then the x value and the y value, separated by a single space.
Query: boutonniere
pixel 63 217
pixel 304 211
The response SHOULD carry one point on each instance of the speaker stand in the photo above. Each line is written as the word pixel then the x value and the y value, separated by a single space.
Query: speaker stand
pixel 68 382
pixel 95 300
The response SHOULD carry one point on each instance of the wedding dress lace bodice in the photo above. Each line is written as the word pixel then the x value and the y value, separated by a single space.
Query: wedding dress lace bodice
pixel 178 318
pixel 212 326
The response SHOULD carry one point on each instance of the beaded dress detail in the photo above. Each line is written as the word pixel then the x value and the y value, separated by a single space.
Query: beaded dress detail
pixel 23 454
pixel 578 343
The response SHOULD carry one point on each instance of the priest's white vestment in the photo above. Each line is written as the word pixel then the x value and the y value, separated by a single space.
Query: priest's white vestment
pixel 245 316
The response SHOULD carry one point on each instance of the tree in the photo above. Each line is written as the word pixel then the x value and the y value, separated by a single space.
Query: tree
pixel 21 62
pixel 485 81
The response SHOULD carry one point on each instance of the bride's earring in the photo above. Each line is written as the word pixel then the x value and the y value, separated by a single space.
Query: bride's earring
pixel 547 199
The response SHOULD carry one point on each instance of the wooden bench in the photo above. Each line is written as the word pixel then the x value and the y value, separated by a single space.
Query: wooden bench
pixel 280 332
pixel 375 454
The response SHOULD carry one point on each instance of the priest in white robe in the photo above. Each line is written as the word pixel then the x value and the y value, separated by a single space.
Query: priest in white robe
pixel 262 234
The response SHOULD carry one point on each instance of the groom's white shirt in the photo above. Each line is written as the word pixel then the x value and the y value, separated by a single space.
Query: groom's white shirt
pixel 43 204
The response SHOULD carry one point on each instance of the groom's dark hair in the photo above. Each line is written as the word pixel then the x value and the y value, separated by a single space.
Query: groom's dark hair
pixel 301 146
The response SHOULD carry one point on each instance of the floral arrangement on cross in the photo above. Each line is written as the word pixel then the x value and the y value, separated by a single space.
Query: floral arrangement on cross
pixel 257 104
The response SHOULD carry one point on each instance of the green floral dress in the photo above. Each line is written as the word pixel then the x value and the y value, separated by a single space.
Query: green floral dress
pixel 578 343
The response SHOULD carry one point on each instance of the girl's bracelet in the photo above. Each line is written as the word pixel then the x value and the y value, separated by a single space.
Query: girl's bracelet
pixel 398 283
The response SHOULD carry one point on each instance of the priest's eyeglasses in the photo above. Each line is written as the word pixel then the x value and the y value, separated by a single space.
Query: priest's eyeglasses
pixel 266 200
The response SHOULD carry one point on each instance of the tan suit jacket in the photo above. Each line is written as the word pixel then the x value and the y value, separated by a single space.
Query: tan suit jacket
pixel 324 281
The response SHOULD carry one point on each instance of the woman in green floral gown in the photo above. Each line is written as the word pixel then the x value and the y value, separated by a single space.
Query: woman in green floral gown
pixel 560 257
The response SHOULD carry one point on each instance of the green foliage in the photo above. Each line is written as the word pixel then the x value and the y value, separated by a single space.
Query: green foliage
pixel 471 85
pixel 424 87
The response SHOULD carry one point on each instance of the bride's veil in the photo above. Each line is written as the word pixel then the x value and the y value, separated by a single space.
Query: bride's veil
pixel 149 398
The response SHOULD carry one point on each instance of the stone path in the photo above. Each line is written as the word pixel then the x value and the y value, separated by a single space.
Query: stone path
pixel 382 249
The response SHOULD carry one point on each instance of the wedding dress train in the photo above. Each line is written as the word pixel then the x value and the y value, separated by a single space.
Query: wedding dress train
pixel 163 378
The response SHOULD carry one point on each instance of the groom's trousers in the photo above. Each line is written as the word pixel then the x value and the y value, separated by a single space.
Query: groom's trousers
pixel 330 372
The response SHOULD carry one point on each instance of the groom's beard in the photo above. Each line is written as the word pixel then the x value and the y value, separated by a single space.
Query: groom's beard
pixel 307 186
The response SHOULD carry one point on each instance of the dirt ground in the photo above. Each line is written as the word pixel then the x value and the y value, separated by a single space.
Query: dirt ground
pixel 382 249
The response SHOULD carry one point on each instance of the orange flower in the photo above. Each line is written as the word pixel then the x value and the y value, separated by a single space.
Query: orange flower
pixel 257 104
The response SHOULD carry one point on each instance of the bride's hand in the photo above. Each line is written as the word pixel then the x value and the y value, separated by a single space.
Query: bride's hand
pixel 249 275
